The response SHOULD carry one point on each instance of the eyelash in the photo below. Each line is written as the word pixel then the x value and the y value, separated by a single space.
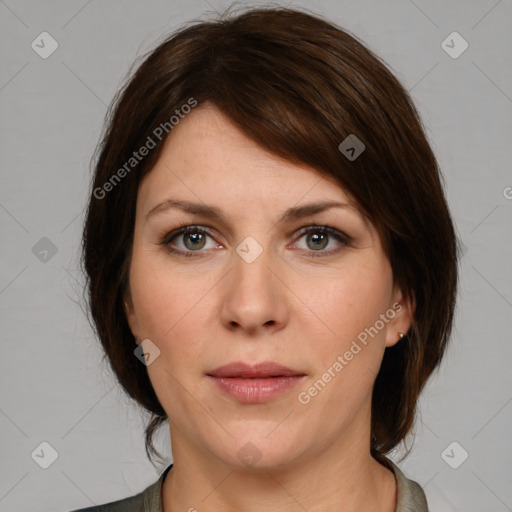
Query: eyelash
pixel 185 229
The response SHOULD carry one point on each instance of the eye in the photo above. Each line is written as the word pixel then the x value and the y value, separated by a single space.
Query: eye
pixel 193 238
pixel 319 237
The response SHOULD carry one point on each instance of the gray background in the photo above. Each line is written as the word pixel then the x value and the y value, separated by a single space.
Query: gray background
pixel 53 385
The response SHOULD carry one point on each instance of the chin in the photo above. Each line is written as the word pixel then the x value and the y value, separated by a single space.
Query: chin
pixel 256 450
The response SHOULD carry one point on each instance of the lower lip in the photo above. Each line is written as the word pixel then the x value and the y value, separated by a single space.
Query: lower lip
pixel 256 390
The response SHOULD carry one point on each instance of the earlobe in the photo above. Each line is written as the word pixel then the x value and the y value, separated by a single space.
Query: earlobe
pixel 390 341
pixel 400 324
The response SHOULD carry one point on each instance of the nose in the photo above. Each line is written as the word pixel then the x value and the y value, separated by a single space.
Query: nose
pixel 254 296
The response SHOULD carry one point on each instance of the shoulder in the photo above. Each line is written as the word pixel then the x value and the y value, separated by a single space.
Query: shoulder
pixel 148 500
pixel 131 504
pixel 410 495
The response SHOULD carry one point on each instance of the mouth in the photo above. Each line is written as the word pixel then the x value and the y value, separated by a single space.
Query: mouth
pixel 257 383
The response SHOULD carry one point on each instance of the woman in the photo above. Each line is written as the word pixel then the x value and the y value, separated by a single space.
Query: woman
pixel 271 266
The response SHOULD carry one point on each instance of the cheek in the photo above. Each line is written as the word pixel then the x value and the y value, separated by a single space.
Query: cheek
pixel 351 301
pixel 159 297
pixel 349 353
pixel 166 307
pixel 172 309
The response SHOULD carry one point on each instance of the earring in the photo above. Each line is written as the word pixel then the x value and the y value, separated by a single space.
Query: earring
pixel 401 335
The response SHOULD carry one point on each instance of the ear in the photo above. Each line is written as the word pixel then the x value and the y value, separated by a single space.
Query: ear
pixel 403 308
pixel 131 316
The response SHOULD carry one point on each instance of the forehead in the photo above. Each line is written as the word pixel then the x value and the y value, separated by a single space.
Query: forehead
pixel 206 156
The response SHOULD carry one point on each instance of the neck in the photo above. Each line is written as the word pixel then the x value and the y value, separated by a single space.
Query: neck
pixel 340 475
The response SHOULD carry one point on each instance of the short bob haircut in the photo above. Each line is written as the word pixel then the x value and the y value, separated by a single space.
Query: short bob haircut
pixel 298 86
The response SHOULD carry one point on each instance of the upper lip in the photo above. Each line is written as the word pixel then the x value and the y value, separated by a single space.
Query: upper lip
pixel 247 371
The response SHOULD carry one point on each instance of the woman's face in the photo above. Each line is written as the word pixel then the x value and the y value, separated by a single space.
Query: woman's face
pixel 260 284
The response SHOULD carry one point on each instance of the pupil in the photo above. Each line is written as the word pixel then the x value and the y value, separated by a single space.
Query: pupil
pixel 195 237
pixel 316 237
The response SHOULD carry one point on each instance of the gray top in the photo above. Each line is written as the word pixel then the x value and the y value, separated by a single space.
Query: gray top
pixel 410 497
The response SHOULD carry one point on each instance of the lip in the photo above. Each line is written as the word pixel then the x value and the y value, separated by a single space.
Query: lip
pixel 255 383
pixel 260 370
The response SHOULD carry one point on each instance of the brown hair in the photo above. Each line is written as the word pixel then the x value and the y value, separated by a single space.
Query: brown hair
pixel 298 86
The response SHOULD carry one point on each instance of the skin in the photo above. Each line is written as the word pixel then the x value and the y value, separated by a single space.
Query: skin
pixel 287 306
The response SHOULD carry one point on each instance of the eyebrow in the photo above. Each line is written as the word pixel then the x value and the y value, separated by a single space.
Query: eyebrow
pixel 294 213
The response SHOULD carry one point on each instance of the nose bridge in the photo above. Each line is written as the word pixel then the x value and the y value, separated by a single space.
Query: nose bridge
pixel 252 266
pixel 252 298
